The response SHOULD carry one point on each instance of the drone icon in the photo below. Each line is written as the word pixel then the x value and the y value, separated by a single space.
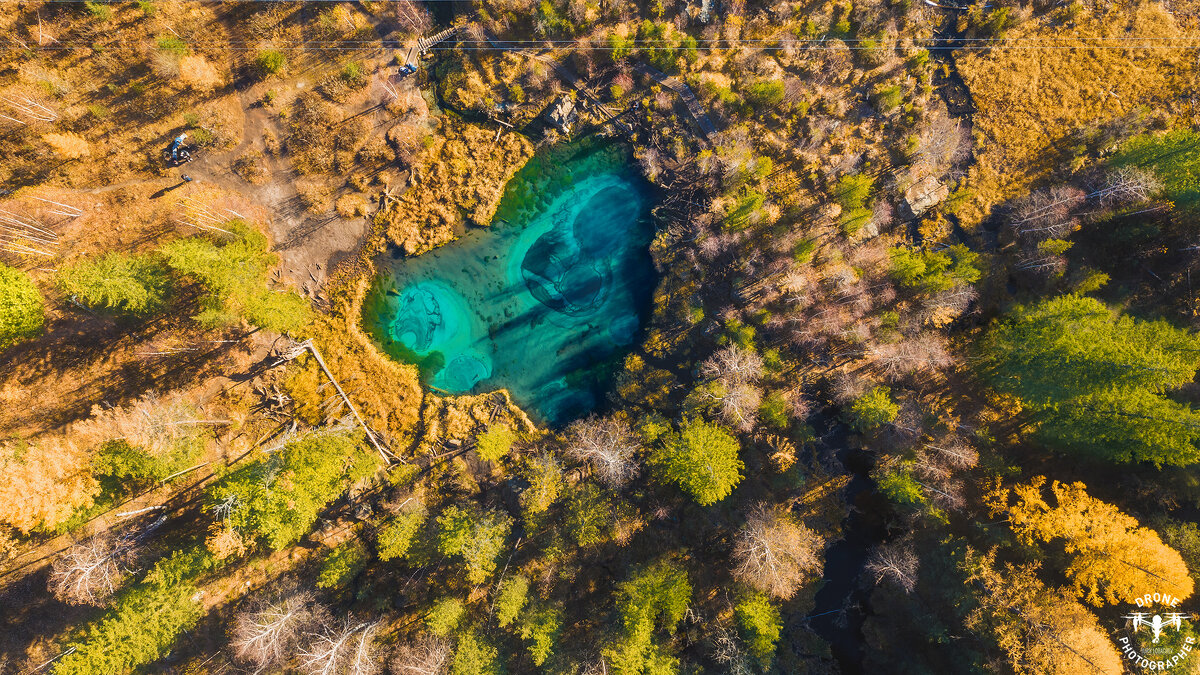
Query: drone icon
pixel 1156 623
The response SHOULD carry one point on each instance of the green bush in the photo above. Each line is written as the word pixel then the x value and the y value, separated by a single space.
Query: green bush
pixel 173 44
pixel 445 616
pixel 588 517
pixel 342 564
pixel 541 629
pixel 475 536
pixel 774 411
pixel 1174 158
pixel 853 194
pixel 887 97
pixel 126 284
pixel 760 624
pixel 702 459
pixel 270 62
pixel 873 409
pixel 655 596
pixel 474 655
pixel 276 499
pixel 934 271
pixel 21 312
pixel 764 94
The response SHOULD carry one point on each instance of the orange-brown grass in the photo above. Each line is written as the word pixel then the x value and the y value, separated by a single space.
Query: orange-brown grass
pixel 1029 100
pixel 458 180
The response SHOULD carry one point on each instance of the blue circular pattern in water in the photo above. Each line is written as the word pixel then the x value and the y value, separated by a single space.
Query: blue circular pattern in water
pixel 531 306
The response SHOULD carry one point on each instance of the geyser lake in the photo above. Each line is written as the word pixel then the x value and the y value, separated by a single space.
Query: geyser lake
pixel 545 302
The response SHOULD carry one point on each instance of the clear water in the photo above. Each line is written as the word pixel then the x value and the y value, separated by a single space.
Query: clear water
pixel 545 302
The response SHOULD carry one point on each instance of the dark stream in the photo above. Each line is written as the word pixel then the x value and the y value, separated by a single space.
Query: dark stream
pixel 841 604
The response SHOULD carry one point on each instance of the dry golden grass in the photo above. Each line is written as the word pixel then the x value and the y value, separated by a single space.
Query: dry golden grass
pixel 457 180
pixel 1029 100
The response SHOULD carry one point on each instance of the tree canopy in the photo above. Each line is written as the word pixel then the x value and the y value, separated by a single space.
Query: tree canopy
pixel 702 459
pixel 21 311
pixel 1097 381
pixel 129 284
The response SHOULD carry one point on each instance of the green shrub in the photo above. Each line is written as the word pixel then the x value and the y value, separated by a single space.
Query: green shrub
pixel 144 620
pixel 760 624
pixel 655 596
pixel 173 44
pixel 702 459
pixel 474 655
pixel 475 536
pixel 1174 159
pixel 353 75
pixel 126 284
pixel 99 10
pixel 588 517
pixel 774 410
pixel 887 97
pixel 764 94
pixel 234 273
pixel 270 62
pixel 934 271
pixel 445 616
pixel 21 312
pixel 541 629
pixel 342 564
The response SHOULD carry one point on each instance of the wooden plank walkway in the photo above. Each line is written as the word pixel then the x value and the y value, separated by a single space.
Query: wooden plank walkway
pixel 685 93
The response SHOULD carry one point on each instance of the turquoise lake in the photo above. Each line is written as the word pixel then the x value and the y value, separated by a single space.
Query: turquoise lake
pixel 545 302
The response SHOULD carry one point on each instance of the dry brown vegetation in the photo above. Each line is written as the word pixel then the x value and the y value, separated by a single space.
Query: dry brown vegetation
pixel 1036 105
pixel 455 182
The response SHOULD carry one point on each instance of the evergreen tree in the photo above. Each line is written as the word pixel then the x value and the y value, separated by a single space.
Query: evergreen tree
pixel 475 536
pixel 511 596
pixel 1096 381
pixel 235 275
pixel 702 459
pixel 276 500
pixel 128 284
pixel 21 311
pixel 760 624
pixel 655 596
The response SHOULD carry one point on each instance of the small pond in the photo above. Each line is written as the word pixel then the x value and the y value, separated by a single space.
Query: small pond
pixel 545 302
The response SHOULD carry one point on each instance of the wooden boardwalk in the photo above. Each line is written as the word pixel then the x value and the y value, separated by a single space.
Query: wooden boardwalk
pixel 685 93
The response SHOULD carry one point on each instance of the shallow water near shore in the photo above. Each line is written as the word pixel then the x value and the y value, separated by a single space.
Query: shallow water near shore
pixel 544 302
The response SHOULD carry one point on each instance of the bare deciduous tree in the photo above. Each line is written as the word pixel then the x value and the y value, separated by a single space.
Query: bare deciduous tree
pixel 344 648
pixel 1128 185
pixel 733 364
pixel 739 405
pixel 266 636
pixel 608 444
pixel 774 553
pixel 896 562
pixel 925 352
pixel 429 655
pixel 413 16
pixel 89 572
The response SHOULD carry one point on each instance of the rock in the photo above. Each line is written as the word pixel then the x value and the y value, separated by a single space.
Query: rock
pixel 923 195
pixel 562 114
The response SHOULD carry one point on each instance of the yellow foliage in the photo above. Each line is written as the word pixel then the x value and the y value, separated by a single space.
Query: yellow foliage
pixel 1041 631
pixel 1029 100
pixel 68 146
pixel 1112 558
pixel 44 483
